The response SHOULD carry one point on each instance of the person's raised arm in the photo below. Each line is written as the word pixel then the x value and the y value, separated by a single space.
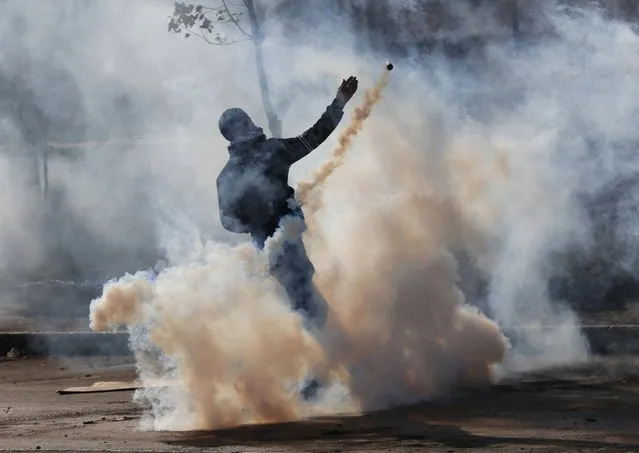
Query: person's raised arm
pixel 300 146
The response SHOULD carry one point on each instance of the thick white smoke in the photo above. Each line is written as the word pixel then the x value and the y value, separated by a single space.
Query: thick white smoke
pixel 485 157
pixel 398 331
pixel 488 162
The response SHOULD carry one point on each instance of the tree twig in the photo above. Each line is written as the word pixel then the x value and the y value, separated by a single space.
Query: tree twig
pixel 217 43
pixel 235 21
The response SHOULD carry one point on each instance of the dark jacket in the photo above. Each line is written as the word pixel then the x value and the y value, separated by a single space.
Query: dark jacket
pixel 252 188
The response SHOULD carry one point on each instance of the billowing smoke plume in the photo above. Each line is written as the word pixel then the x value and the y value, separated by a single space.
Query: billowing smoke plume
pixel 398 330
pixel 487 159
pixel 481 163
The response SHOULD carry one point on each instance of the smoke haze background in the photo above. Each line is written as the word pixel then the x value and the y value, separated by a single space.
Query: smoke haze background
pixel 486 158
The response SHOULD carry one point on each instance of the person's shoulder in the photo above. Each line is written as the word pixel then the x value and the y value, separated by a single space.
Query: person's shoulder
pixel 273 141
pixel 281 142
pixel 274 144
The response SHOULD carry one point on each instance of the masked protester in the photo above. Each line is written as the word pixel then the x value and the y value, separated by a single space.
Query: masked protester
pixel 254 195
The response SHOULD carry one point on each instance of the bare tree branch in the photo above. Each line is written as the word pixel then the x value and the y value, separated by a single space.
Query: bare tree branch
pixel 235 21
pixel 187 16
pixel 220 41
pixel 193 19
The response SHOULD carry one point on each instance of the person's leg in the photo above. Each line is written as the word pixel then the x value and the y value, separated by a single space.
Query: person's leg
pixel 293 269
pixel 295 272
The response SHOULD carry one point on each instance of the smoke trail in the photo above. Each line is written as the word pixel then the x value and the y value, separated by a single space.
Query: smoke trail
pixel 360 114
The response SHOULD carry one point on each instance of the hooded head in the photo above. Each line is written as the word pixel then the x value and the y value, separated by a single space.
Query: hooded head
pixel 236 126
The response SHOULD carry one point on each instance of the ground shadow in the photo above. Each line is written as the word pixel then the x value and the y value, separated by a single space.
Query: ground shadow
pixel 534 405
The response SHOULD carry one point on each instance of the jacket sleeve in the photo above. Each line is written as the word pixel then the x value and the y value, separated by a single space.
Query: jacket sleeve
pixel 300 146
pixel 232 223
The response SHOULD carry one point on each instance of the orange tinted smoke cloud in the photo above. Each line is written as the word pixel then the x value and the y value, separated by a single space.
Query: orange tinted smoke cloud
pixel 398 329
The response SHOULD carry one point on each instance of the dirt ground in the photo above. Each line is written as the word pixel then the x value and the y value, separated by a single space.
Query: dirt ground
pixel 592 408
pixel 13 322
pixel 10 322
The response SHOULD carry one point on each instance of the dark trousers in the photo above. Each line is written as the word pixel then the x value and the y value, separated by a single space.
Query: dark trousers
pixel 294 271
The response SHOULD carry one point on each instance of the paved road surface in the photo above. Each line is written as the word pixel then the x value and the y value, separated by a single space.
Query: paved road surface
pixel 590 409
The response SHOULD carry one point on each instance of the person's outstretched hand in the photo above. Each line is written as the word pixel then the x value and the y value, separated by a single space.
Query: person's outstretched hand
pixel 347 89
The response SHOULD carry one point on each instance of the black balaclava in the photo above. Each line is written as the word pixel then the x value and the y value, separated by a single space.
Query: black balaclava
pixel 237 126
